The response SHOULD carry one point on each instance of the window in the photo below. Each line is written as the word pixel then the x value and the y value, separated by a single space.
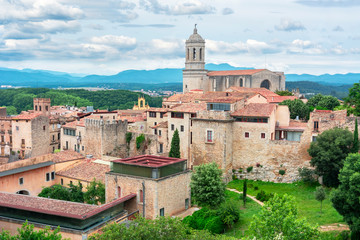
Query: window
pixel 39 108
pixel 252 119
pixel 162 212
pixel 209 136
pixel 47 108
pixel 190 137
pixel 2 138
pixel 141 196
pixel 200 54
pixel 67 145
pixel 47 177
pixel 44 128
pixel 159 132
pixel 75 147
pixel 314 138
pixel 52 175
pixel 160 148
pixel 21 181
pixel 155 131
pixel 82 148
pixel 194 53
pixel 316 126
pixel 247 134
pixel 58 136
pixel 152 114
pixel 35 107
pixel 53 137
pixel 177 115
pixel 62 181
pixel 182 128
pixel 162 115
pixel 155 123
pixel 17 128
pixel 187 203
pixel 218 106
pixel 262 135
pixel 71 183
pixel 172 127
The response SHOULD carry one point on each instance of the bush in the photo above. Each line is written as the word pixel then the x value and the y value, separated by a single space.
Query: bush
pixel 306 175
pixel 128 137
pixel 139 140
pixel 281 172
pixel 249 169
pixel 256 188
pixel 263 196
pixel 215 225
pixel 229 212
pixel 234 177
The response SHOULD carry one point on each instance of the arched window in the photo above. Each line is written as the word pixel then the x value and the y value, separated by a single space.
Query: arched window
pixel 188 54
pixel 265 84
pixel 200 57
pixel 23 192
pixel 194 53
pixel 241 82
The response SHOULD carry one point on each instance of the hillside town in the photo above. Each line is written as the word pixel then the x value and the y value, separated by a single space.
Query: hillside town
pixel 232 118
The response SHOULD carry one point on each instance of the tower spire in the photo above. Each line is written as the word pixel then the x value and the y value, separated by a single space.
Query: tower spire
pixel 195 29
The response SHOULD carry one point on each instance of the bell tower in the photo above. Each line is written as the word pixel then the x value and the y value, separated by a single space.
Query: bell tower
pixel 194 71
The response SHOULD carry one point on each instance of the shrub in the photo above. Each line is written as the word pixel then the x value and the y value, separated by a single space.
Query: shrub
pixel 229 212
pixel 128 137
pixel 214 225
pixel 139 140
pixel 240 170
pixel 306 175
pixel 263 196
pixel 249 169
pixel 281 172
pixel 234 177
pixel 256 188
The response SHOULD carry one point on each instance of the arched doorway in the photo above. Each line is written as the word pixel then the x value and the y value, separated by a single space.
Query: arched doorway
pixel 23 192
pixel 265 84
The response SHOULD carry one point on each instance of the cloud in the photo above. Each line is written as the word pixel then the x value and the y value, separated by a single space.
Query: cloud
pixel 188 7
pixel 338 29
pixel 51 26
pixel 37 11
pixel 118 42
pixel 289 25
pixel 227 11
pixel 329 3
pixel 299 46
pixel 250 46
pixel 148 25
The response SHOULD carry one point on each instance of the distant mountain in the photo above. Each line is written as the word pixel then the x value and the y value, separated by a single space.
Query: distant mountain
pixel 166 76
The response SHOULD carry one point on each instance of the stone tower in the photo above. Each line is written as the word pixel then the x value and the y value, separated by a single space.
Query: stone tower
pixel 194 71
pixel 42 105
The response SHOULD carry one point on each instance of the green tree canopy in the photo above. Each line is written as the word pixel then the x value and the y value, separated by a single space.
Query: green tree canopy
pixel 207 187
pixel 355 147
pixel 353 99
pixel 279 217
pixel 297 108
pixel 328 153
pixel 345 198
pixel 320 195
pixel 175 145
pixel 324 102
pixel 284 93
pixel 73 193
pixel 95 193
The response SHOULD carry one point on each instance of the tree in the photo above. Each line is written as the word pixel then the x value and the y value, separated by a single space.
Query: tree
pixel 175 145
pixel 284 93
pixel 73 193
pixel 279 216
pixel 297 108
pixel 162 228
pixel 244 192
pixel 329 152
pixel 26 232
pixel 207 187
pixel 355 147
pixel 95 193
pixel 76 193
pixel 320 196
pixel 324 102
pixel 353 99
pixel 345 198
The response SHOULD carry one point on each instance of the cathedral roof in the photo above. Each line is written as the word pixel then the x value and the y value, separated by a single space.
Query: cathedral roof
pixel 235 72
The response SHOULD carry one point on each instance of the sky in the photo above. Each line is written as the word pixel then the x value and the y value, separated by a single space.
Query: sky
pixel 109 36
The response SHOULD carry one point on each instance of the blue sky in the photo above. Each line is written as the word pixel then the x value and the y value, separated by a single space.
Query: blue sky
pixel 108 36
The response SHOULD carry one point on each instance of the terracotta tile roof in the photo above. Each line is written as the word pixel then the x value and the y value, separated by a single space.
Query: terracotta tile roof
pixel 161 125
pixel 255 110
pixel 27 116
pixel 189 107
pixel 183 97
pixel 227 97
pixel 75 123
pixel 294 125
pixel 132 119
pixel 157 110
pixel 67 155
pixel 149 161
pixel 235 72
pixel 56 207
pixel 279 99
pixel 85 170
pixel 263 91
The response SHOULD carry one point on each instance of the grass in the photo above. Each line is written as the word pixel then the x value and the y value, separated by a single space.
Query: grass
pixel 240 228
pixel 308 207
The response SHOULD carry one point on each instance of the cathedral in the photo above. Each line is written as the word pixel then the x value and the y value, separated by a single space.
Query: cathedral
pixel 195 76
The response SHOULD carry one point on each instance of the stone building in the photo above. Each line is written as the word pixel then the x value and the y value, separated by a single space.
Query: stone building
pixel 195 76
pixel 6 136
pixel 30 133
pixel 162 184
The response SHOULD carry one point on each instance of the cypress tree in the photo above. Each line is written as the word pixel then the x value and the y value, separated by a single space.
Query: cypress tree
pixel 244 191
pixel 175 145
pixel 355 147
